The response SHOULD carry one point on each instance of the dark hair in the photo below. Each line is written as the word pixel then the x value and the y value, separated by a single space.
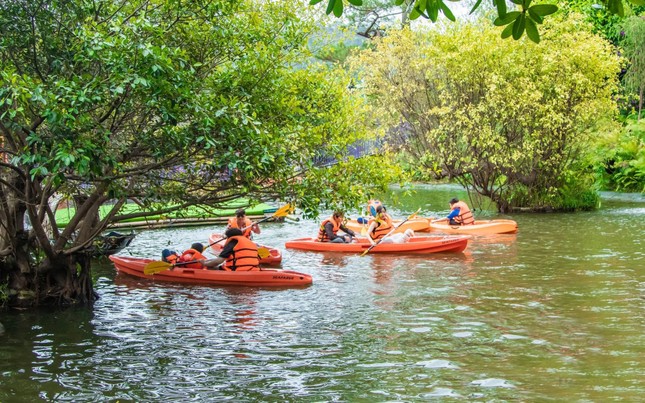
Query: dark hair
pixel 240 212
pixel 453 200
pixel 339 213
pixel 198 247
pixel 381 208
pixel 233 232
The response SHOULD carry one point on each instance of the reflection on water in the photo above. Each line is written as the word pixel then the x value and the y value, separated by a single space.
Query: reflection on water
pixel 551 313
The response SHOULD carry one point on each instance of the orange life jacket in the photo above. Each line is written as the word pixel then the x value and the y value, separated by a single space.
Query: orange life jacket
pixel 322 234
pixel 232 223
pixel 465 216
pixel 371 207
pixel 383 226
pixel 244 257
pixel 191 254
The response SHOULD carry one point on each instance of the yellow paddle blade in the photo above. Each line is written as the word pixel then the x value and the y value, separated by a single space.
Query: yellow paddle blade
pixel 411 216
pixel 364 230
pixel 156 267
pixel 283 211
pixel 263 252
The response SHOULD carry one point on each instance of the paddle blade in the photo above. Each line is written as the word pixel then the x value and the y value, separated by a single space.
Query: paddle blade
pixel 263 252
pixel 283 211
pixel 367 250
pixel 411 216
pixel 156 267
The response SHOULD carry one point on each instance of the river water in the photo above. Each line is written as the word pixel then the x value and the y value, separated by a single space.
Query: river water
pixel 553 313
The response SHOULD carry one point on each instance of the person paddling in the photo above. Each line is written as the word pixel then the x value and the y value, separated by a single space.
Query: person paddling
pixel 242 222
pixel 239 253
pixel 328 231
pixel 380 225
pixel 460 214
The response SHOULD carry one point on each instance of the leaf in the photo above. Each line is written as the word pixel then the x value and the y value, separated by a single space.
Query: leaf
pixel 544 9
pixel 447 12
pixel 638 2
pixel 338 8
pixel 507 31
pixel 532 31
pixel 535 17
pixel 356 2
pixel 518 27
pixel 433 11
pixel 475 7
pixel 501 7
pixel 398 2
pixel 314 2
pixel 508 18
pixel 330 6
pixel 518 2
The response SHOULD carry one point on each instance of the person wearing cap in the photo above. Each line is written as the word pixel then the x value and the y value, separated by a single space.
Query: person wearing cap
pixel 328 231
pixel 242 222
pixel 238 254
pixel 460 214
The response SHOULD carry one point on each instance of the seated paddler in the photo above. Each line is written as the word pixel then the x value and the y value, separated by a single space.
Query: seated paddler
pixel 328 231
pixel 238 254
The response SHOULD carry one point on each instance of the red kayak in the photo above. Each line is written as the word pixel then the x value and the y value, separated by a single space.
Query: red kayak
pixel 420 244
pixel 274 258
pixel 263 278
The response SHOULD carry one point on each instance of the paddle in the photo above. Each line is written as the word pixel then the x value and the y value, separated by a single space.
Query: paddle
pixel 158 266
pixel 411 216
pixel 281 212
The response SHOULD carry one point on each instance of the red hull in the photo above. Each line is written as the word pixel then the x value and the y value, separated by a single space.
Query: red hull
pixel 426 244
pixel 262 278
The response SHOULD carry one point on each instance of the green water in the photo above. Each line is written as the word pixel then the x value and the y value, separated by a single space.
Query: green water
pixel 553 313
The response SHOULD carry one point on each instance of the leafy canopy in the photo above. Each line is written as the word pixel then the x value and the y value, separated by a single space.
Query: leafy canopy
pixel 524 19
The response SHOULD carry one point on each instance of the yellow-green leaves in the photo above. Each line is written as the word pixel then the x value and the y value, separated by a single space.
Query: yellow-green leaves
pixel 336 6
pixel 499 114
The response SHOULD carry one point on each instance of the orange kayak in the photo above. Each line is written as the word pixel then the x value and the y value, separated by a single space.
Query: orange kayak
pixel 417 224
pixel 274 258
pixel 421 244
pixel 263 278
pixel 481 227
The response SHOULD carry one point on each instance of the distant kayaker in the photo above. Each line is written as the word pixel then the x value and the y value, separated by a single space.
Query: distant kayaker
pixel 380 225
pixel 328 231
pixel 194 254
pixel 460 214
pixel 372 205
pixel 242 222
pixel 239 253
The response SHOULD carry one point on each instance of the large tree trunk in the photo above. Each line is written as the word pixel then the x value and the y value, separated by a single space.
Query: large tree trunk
pixel 65 282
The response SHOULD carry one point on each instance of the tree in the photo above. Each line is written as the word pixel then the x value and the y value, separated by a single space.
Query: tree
pixel 512 121
pixel 633 44
pixel 170 104
pixel 517 22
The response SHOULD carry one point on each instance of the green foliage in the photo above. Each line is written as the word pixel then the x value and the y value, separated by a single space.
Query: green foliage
pixel 633 44
pixel 166 103
pixel 526 19
pixel 620 159
pixel 497 116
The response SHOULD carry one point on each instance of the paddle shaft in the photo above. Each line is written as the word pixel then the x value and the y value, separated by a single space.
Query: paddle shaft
pixel 411 216
pixel 243 229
